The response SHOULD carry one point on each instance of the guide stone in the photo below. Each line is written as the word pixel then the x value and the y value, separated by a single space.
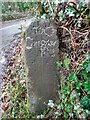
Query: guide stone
pixel 41 53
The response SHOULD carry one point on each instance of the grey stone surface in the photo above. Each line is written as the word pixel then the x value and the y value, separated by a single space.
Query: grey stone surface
pixel 41 53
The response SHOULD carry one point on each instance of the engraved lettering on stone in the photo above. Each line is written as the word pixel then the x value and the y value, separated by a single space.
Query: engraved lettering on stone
pixel 44 46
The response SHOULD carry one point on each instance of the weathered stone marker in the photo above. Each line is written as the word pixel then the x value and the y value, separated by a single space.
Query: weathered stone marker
pixel 41 53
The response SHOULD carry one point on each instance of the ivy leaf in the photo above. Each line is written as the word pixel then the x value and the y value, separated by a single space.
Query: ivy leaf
pixel 87 112
pixel 85 101
pixel 70 11
pixel 61 15
pixel 58 64
pixel 60 106
pixel 73 96
pixel 66 63
pixel 14 111
pixel 81 4
pixel 65 114
pixel 77 14
pixel 43 16
pixel 79 25
pixel 56 2
pixel 87 56
pixel 84 74
pixel 85 64
pixel 73 76
pixel 88 68
pixel 86 86
pixel 51 104
pixel 88 93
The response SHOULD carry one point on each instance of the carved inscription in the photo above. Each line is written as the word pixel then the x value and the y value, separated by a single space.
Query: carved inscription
pixel 44 46
pixel 42 35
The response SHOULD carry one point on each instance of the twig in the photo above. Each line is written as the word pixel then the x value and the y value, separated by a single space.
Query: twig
pixel 67 31
pixel 85 28
pixel 83 91
pixel 79 32
pixel 68 23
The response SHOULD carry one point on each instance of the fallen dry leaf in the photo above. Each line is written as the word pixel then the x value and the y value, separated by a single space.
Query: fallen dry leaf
pixel 13 83
pixel 6 98
pixel 22 82
pixel 5 107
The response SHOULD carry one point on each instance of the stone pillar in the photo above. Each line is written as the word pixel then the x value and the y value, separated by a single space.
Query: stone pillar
pixel 41 52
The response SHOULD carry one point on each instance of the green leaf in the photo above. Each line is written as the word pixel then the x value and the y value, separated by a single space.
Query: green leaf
pixel 86 86
pixel 70 11
pixel 14 111
pixel 84 74
pixel 73 76
pixel 66 63
pixel 43 16
pixel 58 64
pixel 88 68
pixel 85 64
pixel 87 112
pixel 81 4
pixel 60 106
pixel 68 107
pixel 79 94
pixel 88 93
pixel 79 24
pixel 77 87
pixel 87 56
pixel 85 101
pixel 61 15
pixel 77 14
pixel 73 96
pixel 65 115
